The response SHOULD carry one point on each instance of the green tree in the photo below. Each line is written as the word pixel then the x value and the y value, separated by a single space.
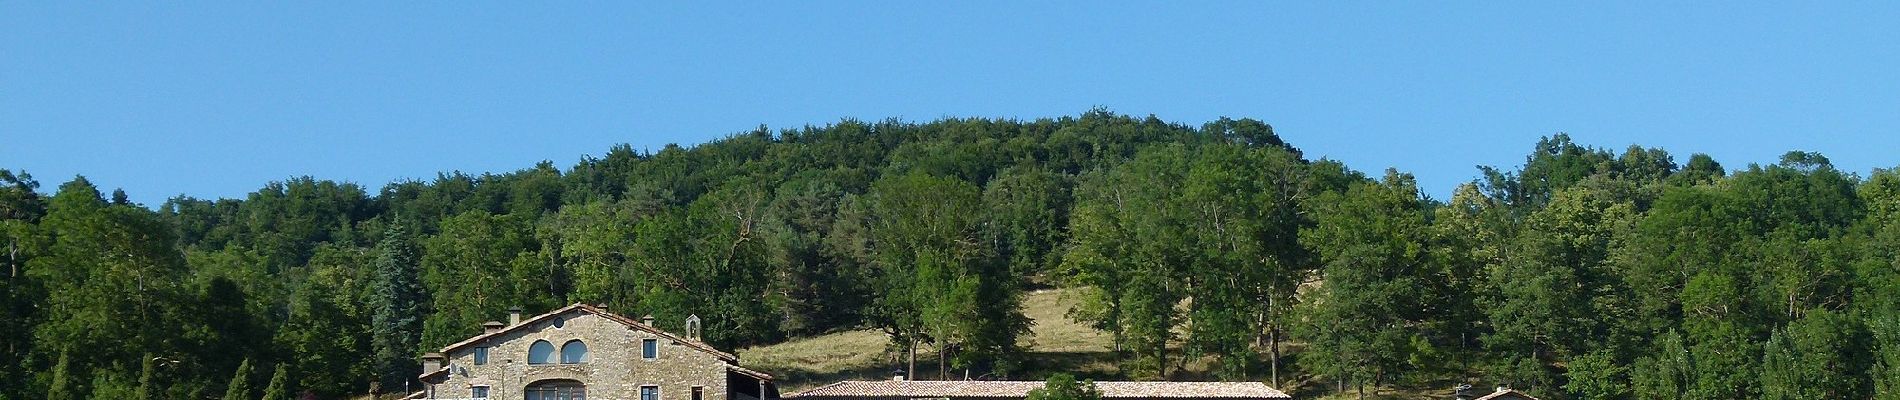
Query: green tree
pixel 64 385
pixel 240 386
pixel 1063 386
pixel 943 280
pixel 280 386
pixel 1596 376
pixel 326 339
pixel 1370 240
pixel 1554 295
pixel 396 301
pixel 148 382
pixel 110 275
pixel 475 269
pixel 1822 355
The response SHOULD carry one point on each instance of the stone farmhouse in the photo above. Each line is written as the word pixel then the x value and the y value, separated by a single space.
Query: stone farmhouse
pixel 583 352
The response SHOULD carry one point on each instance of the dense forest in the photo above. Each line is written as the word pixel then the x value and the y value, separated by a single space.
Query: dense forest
pixel 1582 273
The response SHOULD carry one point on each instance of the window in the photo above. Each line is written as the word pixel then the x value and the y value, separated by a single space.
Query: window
pixel 699 393
pixel 574 352
pixel 478 392
pixel 540 352
pixel 557 389
pixel 560 322
pixel 481 356
pixel 650 349
pixel 649 393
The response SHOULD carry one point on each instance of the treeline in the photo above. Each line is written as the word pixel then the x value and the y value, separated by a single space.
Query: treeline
pixel 1581 274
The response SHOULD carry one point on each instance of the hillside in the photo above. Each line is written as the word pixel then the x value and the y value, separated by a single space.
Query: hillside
pixel 1568 276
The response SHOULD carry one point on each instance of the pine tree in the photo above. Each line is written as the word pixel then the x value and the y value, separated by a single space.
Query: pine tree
pixel 396 304
pixel 279 388
pixel 240 387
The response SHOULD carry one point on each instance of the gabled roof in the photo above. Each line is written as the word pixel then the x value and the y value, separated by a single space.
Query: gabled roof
pixel 1018 389
pixel 583 308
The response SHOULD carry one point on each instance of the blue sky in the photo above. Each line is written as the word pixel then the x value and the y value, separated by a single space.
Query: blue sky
pixel 214 100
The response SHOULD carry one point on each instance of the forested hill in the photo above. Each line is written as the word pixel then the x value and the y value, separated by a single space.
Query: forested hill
pixel 1583 273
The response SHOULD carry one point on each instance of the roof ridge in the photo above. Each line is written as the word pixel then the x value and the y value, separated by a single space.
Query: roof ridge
pixel 621 319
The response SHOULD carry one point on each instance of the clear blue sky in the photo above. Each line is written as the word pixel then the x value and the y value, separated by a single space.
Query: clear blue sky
pixel 214 100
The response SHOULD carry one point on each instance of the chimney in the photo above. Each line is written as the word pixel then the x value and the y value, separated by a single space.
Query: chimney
pixel 431 362
pixel 647 320
pixel 897 375
pixel 514 316
pixel 492 327
pixel 692 327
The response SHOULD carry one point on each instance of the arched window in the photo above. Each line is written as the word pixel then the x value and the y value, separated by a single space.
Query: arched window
pixel 540 352
pixel 574 352
pixel 556 389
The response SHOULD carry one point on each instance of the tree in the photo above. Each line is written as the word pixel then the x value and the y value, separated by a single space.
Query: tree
pixel 280 387
pixel 64 385
pixel 1667 372
pixel 240 386
pixel 1821 355
pixel 1063 386
pixel 1597 375
pixel 1554 295
pixel 148 383
pixel 1370 240
pixel 943 281
pixel 475 269
pixel 110 274
pixel 396 303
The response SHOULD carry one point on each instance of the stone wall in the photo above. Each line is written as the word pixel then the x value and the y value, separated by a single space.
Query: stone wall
pixel 613 370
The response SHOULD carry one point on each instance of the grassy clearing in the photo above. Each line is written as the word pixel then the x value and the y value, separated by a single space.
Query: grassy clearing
pixel 1055 343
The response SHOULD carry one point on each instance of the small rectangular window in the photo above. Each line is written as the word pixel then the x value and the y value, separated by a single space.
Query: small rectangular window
pixel 481 355
pixel 478 392
pixel 699 393
pixel 649 392
pixel 650 349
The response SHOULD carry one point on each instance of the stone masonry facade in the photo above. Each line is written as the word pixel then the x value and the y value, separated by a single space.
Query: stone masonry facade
pixel 612 369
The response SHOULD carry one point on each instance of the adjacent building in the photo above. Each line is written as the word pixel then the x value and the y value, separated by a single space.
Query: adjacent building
pixel 1012 390
pixel 580 352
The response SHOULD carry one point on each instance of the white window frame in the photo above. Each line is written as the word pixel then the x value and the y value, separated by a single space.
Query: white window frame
pixel 486 392
pixel 657 394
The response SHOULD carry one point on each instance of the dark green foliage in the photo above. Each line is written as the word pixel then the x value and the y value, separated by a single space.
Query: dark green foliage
pixel 396 306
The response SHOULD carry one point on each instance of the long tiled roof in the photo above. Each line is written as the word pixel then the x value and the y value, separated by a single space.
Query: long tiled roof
pixel 1008 389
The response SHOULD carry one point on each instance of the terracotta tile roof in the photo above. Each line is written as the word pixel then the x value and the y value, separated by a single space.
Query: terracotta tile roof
pixel 1005 389
pixel 629 322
